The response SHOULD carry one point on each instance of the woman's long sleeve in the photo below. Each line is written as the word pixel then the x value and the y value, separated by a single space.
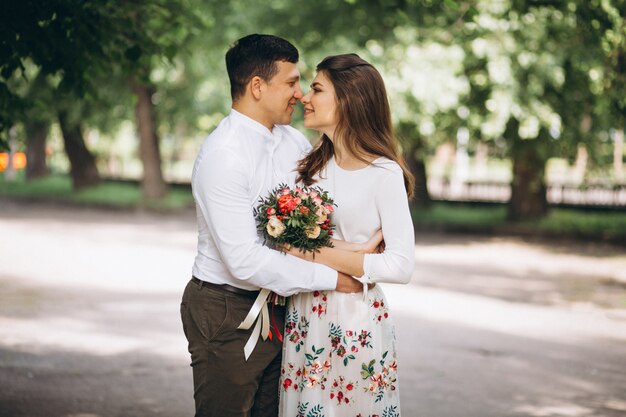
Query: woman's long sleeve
pixel 396 264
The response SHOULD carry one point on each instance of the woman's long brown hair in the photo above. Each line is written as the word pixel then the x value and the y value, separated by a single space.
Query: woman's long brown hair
pixel 364 118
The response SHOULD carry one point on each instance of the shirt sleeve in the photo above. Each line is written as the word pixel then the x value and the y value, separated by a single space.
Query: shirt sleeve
pixel 398 260
pixel 221 192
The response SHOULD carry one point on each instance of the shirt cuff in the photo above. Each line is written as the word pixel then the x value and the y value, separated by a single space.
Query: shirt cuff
pixel 325 278
pixel 367 269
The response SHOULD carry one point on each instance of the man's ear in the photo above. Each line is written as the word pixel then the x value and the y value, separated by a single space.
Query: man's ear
pixel 256 87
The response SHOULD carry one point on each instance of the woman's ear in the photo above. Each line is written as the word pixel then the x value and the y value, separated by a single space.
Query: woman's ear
pixel 256 87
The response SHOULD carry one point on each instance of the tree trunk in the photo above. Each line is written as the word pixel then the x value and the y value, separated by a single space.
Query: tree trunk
pixel 528 189
pixel 36 135
pixel 153 185
pixel 82 162
pixel 416 164
pixel 618 155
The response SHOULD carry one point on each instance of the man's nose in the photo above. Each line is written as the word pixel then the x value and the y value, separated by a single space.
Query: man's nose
pixel 298 94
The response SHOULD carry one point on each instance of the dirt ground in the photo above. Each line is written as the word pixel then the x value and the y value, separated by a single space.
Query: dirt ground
pixel 488 327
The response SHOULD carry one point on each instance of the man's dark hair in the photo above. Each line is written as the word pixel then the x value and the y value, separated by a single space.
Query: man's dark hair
pixel 256 55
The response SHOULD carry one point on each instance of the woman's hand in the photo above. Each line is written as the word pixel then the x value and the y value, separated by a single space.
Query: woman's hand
pixel 376 244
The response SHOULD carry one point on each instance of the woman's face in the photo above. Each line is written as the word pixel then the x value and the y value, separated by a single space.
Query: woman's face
pixel 320 106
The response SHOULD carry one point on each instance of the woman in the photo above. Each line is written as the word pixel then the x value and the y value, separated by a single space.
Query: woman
pixel 339 355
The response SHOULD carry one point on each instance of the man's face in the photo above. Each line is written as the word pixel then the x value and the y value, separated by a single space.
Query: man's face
pixel 280 94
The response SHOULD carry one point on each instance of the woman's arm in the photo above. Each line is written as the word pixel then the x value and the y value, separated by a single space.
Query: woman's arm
pixel 347 257
pixel 371 246
pixel 397 262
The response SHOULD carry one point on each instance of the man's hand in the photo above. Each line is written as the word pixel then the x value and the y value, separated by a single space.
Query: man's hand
pixel 345 283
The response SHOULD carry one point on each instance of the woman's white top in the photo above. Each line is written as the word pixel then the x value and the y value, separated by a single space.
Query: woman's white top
pixel 369 199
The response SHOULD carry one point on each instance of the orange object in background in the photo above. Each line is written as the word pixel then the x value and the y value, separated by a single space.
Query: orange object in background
pixel 19 161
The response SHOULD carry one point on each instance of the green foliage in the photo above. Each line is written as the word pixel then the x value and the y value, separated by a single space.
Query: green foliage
pixel 391 411
pixel 557 69
pixel 58 188
pixel 84 42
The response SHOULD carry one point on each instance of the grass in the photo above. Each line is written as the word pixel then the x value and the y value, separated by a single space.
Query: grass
pixel 606 226
pixel 560 222
pixel 57 188
pixel 464 216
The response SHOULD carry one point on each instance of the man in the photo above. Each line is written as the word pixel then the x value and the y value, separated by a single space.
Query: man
pixel 249 153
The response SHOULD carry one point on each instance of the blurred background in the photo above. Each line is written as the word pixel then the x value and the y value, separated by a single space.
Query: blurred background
pixel 511 115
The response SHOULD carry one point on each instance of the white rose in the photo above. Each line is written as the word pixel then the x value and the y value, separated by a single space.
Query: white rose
pixel 314 232
pixel 275 227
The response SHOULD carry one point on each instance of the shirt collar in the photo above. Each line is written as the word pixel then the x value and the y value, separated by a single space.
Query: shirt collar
pixel 274 137
pixel 251 123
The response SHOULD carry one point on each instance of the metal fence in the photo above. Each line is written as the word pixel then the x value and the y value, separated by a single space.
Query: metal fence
pixel 565 194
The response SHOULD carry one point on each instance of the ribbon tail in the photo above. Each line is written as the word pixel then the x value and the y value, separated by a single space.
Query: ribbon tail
pixel 255 309
pixel 259 306
pixel 265 320
pixel 275 326
pixel 251 343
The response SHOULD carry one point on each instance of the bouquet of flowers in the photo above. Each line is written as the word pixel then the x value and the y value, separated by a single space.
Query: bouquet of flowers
pixel 297 217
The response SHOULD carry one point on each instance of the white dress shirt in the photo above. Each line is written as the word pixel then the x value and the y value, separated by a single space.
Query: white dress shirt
pixel 240 162
pixel 370 199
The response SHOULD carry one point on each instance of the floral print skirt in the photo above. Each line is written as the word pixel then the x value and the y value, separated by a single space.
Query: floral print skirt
pixel 339 357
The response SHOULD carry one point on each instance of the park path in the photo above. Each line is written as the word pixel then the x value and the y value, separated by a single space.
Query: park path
pixel 488 327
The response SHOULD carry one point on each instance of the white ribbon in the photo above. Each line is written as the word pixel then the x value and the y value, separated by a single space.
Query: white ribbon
pixel 365 281
pixel 262 326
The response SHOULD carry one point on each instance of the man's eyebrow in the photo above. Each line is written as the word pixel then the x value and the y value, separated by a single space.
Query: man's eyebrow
pixel 294 78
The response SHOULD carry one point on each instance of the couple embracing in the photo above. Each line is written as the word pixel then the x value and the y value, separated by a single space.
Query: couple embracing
pixel 331 351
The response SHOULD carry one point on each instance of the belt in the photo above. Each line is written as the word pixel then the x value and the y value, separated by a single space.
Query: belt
pixel 225 287
pixel 258 315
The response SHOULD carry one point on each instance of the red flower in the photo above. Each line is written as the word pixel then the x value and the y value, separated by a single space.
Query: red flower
pixel 271 211
pixel 316 293
pixel 304 210
pixel 349 387
pixel 287 383
pixel 286 203
pixel 386 315
pixel 376 304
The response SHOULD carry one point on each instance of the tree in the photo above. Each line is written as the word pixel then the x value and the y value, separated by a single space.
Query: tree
pixel 530 66
pixel 81 42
